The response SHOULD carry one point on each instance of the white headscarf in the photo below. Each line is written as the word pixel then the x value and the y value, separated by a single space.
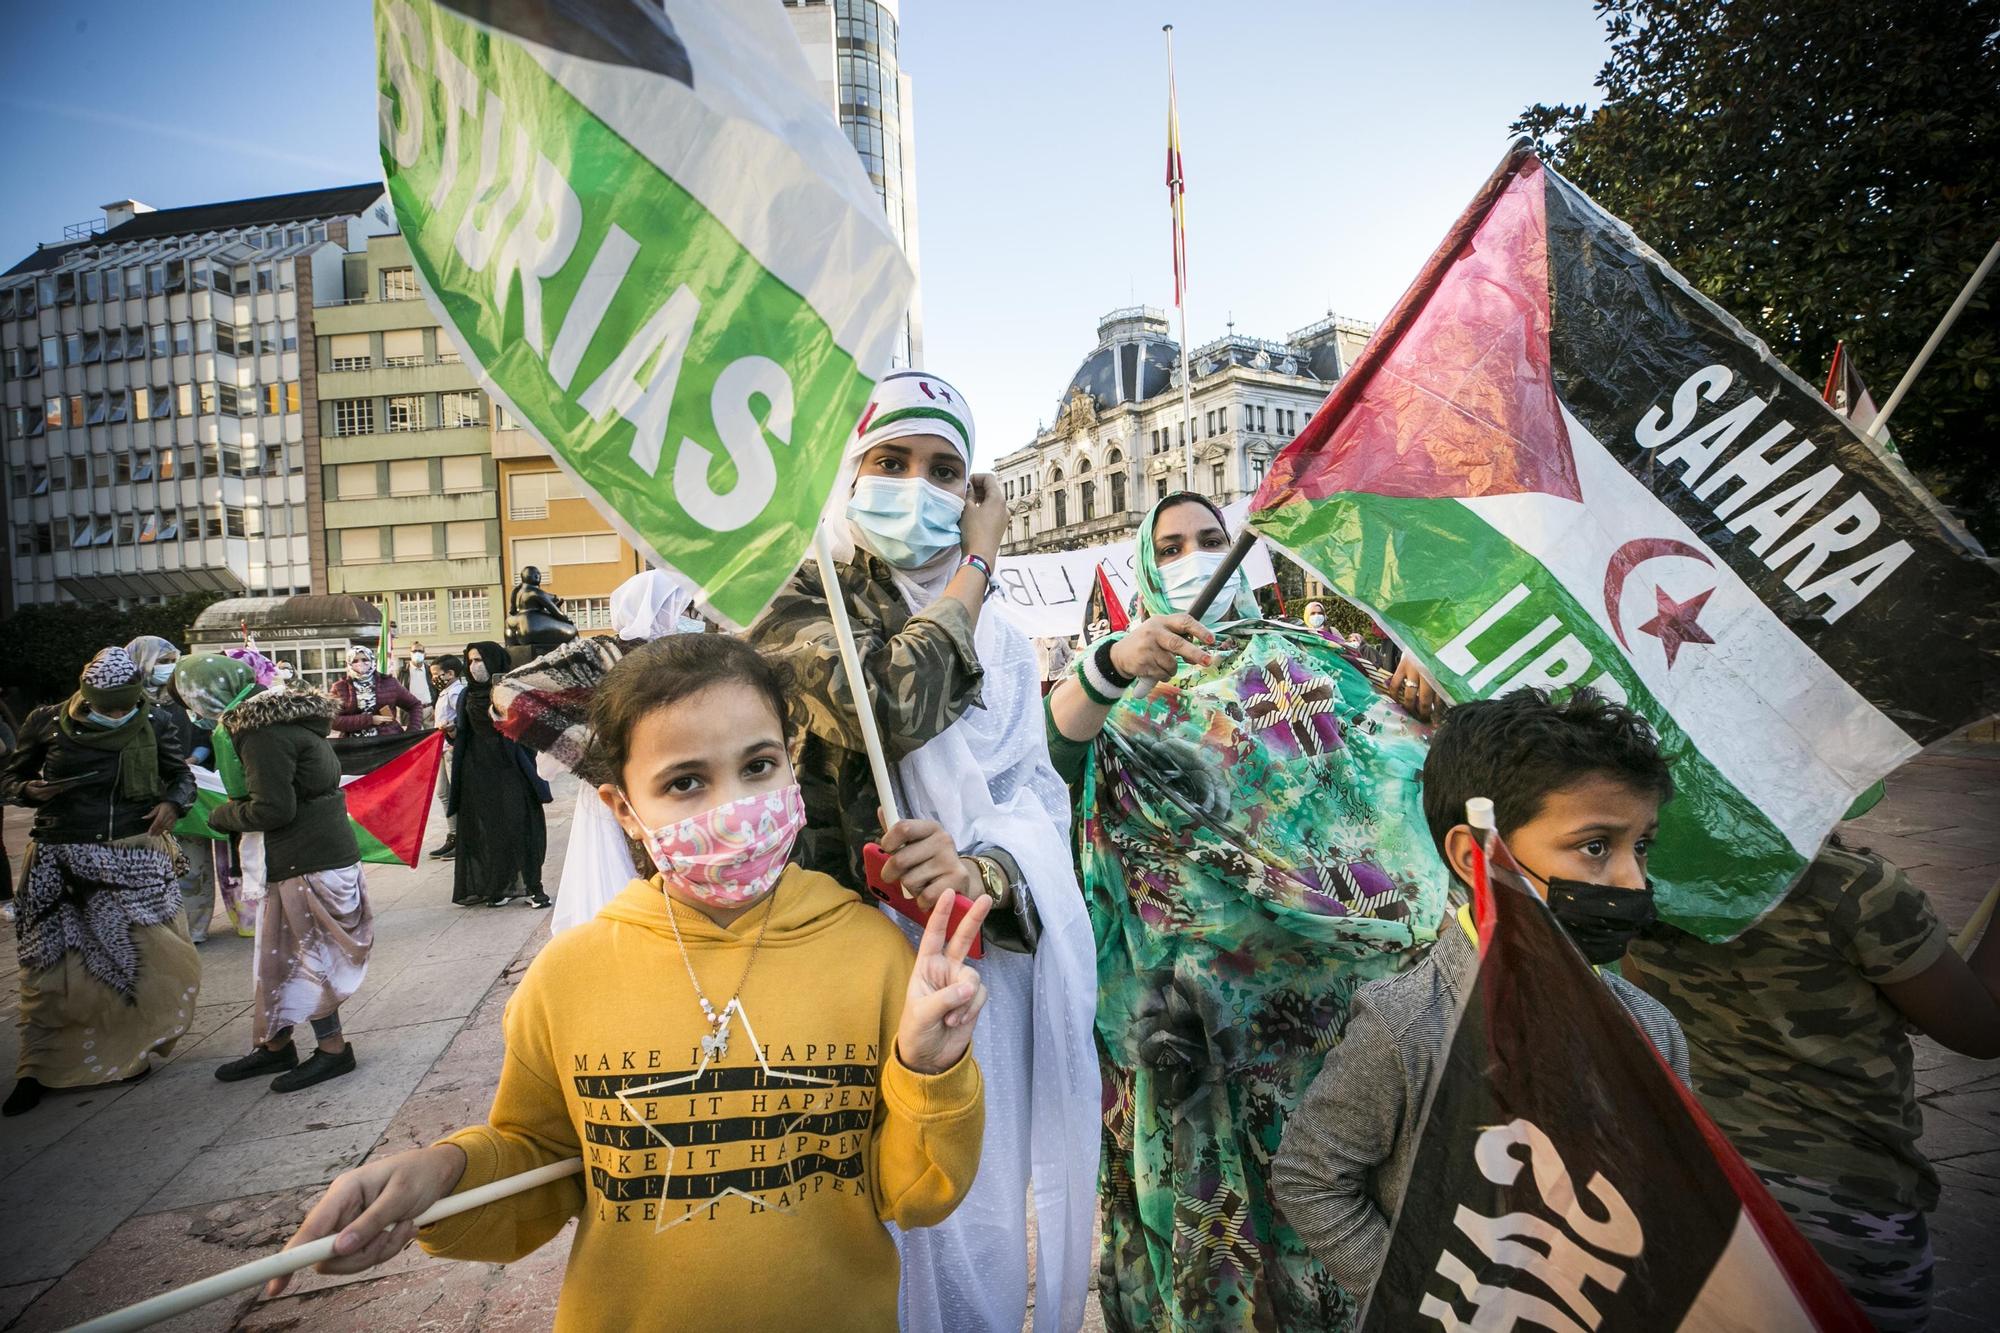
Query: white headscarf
pixel 648 606
pixel 1033 1042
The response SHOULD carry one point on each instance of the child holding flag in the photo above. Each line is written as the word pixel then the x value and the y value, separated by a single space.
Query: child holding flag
pixel 757 1069
pixel 1577 785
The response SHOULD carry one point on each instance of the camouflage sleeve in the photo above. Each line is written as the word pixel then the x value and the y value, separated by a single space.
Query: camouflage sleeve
pixel 921 677
pixel 1885 923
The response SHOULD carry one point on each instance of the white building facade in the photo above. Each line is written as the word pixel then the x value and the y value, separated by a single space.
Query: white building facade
pixel 1122 436
pixel 160 418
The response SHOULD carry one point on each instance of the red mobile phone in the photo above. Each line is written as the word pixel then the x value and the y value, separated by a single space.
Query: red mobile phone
pixel 873 858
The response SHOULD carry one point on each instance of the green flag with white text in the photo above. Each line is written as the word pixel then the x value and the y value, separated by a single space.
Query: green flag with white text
pixel 648 235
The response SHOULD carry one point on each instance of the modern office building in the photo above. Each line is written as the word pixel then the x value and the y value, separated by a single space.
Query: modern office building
pixel 851 46
pixel 407 476
pixel 1121 435
pixel 161 428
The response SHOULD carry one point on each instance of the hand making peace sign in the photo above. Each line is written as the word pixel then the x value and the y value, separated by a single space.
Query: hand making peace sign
pixel 945 994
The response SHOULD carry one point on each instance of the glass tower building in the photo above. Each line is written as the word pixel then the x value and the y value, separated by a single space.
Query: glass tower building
pixel 851 46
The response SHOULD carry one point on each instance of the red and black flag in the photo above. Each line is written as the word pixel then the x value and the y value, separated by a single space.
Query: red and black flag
pixel 1565 1179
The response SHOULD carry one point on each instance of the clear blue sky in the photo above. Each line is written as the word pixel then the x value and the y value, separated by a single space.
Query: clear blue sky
pixel 1328 144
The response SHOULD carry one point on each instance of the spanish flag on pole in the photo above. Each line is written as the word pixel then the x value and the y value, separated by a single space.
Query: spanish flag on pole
pixel 1176 182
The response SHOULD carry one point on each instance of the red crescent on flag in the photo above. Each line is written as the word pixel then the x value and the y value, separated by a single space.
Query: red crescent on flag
pixel 1628 558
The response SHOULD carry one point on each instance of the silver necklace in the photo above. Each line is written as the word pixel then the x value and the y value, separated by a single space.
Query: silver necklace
pixel 715 1045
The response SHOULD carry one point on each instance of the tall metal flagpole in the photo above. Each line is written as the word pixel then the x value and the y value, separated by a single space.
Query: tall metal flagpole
pixel 1176 196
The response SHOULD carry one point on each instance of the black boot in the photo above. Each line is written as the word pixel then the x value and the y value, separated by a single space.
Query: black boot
pixel 263 1060
pixel 446 850
pixel 539 900
pixel 25 1097
pixel 318 1068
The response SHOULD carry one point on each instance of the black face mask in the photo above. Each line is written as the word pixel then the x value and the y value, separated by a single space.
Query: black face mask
pixel 1601 919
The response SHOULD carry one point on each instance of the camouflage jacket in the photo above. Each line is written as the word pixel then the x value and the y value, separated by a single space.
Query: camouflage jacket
pixel 1797 1054
pixel 923 673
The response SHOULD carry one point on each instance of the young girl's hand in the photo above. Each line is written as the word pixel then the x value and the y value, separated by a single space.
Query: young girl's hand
pixel 375 1208
pixel 945 995
pixel 925 862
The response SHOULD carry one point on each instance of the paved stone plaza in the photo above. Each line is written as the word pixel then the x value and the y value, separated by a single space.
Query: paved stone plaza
pixel 114 1195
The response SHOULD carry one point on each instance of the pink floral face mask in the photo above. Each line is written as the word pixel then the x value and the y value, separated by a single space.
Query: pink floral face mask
pixel 733 853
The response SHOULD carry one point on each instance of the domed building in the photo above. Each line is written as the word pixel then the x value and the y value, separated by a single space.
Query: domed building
pixel 1121 435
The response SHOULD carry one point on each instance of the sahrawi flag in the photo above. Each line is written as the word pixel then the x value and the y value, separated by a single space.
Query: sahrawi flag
pixel 1564 1179
pixel 1557 464
pixel 387 806
pixel 647 234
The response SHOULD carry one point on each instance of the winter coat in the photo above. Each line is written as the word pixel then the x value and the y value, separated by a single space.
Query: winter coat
pixel 91 810
pixel 350 718
pixel 294 779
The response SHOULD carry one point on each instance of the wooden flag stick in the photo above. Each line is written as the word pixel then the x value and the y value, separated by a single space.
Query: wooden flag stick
pixel 857 684
pixel 286 1262
pixel 1980 919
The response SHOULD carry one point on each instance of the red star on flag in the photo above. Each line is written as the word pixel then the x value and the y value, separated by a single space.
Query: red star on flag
pixel 1677 624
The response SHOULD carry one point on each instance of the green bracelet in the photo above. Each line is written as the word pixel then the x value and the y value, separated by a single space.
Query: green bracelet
pixel 1091 691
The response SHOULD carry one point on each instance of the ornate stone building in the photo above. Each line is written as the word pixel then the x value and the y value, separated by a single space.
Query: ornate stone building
pixel 1121 436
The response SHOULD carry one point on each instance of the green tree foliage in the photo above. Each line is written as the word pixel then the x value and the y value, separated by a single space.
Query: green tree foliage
pixel 1822 172
pixel 43 648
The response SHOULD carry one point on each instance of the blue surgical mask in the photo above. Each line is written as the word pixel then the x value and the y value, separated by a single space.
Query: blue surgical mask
pixel 163 673
pixel 905 520
pixel 1186 577
pixel 97 719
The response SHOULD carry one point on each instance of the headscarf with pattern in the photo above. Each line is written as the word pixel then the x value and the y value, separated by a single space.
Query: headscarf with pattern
pixel 149 651
pixel 110 680
pixel 1152 586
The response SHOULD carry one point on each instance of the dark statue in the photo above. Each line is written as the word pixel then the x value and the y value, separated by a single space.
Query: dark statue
pixel 537 618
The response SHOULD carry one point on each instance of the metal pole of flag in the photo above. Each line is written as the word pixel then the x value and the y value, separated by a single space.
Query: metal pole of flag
pixel 1944 327
pixel 284 1263
pixel 1246 540
pixel 1176 200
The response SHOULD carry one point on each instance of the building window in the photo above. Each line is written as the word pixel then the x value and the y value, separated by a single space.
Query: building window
pixel 361 546
pixel 1257 466
pixel 1062 508
pixel 1160 489
pixel 400 284
pixel 1215 479
pixel 595 548
pixel 1118 492
pixel 464 473
pixel 469 610
pixel 353 416
pixel 466 540
pixel 403 348
pixel 349 351
pixel 404 412
pixel 356 481
pixel 76 411
pixel 416 613
pixel 1260 419
pixel 462 409
pixel 410 476
pixel 528 494
pixel 589 612
pixel 232 521
pixel 1089 500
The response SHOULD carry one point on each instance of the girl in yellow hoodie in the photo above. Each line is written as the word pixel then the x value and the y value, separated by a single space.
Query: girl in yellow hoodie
pixel 755 1069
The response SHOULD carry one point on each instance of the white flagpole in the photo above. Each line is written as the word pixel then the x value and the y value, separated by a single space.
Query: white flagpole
pixel 1944 326
pixel 857 683
pixel 1180 274
pixel 286 1262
